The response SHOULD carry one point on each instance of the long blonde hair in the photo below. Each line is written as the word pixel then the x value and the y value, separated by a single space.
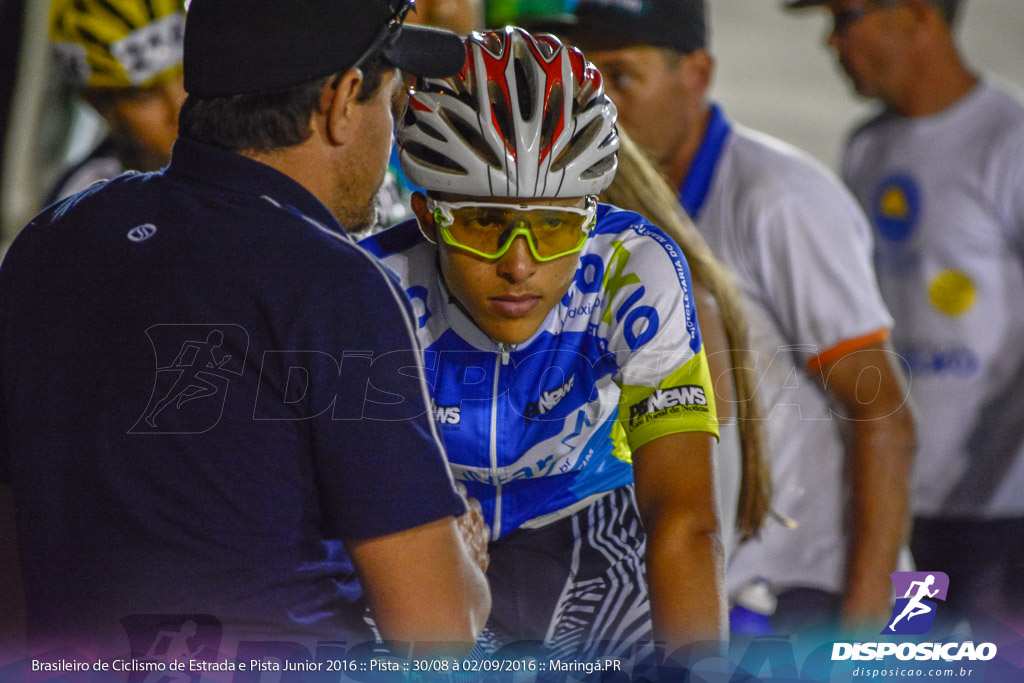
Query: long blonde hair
pixel 638 186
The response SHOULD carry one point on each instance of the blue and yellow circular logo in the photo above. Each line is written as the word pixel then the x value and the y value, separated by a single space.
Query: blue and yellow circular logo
pixel 896 207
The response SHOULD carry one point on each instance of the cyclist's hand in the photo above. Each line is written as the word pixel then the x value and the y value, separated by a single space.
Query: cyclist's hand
pixel 475 533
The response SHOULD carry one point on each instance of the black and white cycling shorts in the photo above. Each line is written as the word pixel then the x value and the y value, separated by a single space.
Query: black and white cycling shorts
pixel 577 585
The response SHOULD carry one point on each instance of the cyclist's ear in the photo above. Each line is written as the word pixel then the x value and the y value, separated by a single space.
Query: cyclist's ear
pixel 423 216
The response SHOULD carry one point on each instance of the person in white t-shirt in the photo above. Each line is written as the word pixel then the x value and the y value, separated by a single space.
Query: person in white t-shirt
pixel 940 172
pixel 838 429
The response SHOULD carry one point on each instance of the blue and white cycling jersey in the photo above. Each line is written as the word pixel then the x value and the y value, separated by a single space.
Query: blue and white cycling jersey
pixel 539 429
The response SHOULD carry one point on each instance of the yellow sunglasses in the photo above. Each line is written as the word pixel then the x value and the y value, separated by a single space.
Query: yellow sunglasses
pixel 488 230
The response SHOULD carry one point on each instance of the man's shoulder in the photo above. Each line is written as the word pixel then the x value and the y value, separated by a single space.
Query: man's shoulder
pixel 1001 114
pixel 753 152
pixel 395 241
pixel 171 218
pixel 404 251
pixel 869 124
pixel 1000 94
pixel 768 177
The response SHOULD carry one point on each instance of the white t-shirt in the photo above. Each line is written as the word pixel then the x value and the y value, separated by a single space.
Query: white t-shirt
pixel 946 195
pixel 800 249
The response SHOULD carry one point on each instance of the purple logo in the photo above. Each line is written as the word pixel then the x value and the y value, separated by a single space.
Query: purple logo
pixel 914 611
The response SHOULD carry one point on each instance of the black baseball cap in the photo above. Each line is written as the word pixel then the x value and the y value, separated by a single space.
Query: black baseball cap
pixel 237 47
pixel 612 24
pixel 949 9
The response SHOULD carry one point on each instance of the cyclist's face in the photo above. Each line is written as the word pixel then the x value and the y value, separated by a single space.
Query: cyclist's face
pixel 147 120
pixel 508 297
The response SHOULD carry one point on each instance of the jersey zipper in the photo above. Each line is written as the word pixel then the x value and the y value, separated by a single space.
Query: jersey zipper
pixel 500 360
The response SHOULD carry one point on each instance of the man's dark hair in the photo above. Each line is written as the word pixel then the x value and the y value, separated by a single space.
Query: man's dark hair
pixel 268 120
pixel 948 9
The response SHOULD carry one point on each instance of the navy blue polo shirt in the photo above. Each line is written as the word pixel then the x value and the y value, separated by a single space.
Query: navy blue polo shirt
pixel 205 390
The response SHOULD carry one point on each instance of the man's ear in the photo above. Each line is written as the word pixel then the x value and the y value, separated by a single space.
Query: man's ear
pixel 423 216
pixel 338 102
pixel 926 14
pixel 698 71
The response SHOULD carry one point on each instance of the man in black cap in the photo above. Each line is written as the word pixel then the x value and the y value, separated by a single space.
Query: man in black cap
pixel 801 251
pixel 210 408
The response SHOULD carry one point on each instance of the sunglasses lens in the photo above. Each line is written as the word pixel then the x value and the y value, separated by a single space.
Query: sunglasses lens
pixel 487 231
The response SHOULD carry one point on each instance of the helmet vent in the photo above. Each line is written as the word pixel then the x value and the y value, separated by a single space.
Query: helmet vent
pixel 431 131
pixel 450 87
pixel 428 157
pixel 600 168
pixel 551 116
pixel 471 136
pixel 579 144
pixel 525 84
pixel 501 110
pixel 611 139
pixel 585 99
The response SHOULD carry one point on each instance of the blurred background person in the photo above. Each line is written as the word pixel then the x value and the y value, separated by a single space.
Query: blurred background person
pixel 125 57
pixel 800 248
pixel 940 172
pixel 459 16
pixel 741 459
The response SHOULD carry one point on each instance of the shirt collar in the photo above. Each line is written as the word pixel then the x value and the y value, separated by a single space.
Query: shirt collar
pixel 233 172
pixel 695 187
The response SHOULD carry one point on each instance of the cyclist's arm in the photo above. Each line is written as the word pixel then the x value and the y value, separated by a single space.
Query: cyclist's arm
pixel 685 561
pixel 424 587
pixel 873 397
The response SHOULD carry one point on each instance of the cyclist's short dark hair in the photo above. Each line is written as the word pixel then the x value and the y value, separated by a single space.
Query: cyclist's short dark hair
pixel 268 120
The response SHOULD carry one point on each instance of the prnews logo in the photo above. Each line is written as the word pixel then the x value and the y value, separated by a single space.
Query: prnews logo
pixel 913 614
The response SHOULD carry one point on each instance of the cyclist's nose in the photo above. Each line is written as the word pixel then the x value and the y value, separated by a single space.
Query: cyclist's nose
pixel 517 264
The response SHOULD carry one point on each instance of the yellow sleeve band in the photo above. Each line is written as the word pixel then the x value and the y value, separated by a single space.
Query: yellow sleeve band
pixel 683 402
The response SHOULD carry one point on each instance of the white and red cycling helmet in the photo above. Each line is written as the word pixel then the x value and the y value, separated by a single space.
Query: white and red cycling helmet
pixel 526 117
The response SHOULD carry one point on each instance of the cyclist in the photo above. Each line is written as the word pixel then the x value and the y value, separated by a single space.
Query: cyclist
pixel 563 354
pixel 125 57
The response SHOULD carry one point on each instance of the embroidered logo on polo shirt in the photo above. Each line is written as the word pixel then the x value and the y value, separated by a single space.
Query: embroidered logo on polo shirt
pixel 141 233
